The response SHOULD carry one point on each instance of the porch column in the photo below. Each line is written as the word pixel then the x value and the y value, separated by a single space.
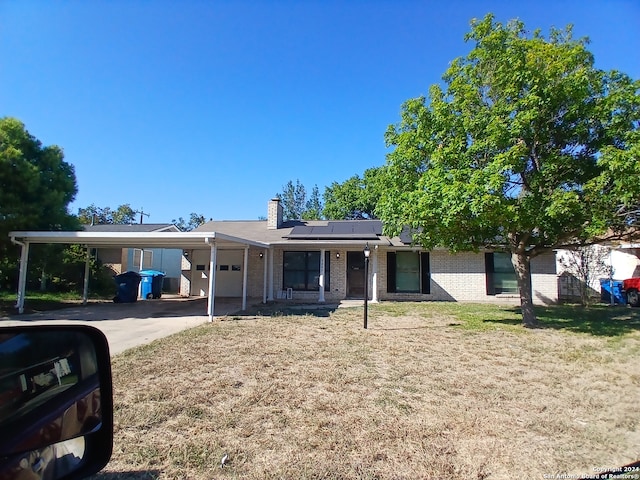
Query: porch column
pixel 270 292
pixel 22 276
pixel 140 268
pixel 374 275
pixel 244 278
pixel 321 278
pixel 85 288
pixel 264 279
pixel 212 279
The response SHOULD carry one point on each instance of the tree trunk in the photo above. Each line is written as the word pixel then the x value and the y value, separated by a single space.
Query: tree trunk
pixel 522 266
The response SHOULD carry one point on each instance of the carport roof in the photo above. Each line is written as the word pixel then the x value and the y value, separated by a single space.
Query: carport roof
pixel 132 227
pixel 229 234
pixel 184 240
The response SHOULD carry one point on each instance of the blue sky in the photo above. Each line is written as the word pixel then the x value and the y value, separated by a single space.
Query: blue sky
pixel 212 106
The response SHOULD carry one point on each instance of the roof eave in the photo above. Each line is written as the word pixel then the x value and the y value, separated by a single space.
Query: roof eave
pixel 182 240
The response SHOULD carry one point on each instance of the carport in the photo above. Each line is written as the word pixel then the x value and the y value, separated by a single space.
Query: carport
pixel 182 240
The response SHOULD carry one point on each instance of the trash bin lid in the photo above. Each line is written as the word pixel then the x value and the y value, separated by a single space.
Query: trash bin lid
pixel 127 274
pixel 151 273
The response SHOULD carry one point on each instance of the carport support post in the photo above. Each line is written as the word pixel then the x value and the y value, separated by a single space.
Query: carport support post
pixel 244 278
pixel 212 278
pixel 22 276
pixel 264 279
pixel 85 287
pixel 270 293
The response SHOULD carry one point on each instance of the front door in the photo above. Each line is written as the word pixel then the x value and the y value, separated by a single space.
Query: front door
pixel 355 274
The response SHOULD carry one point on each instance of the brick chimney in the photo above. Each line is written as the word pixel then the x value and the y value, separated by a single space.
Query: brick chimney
pixel 274 214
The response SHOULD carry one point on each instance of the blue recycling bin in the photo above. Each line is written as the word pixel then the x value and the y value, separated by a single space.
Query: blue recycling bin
pixel 606 292
pixel 127 287
pixel 151 284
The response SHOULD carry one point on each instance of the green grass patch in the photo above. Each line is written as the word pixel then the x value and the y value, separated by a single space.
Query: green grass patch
pixel 597 320
pixel 467 316
pixel 36 301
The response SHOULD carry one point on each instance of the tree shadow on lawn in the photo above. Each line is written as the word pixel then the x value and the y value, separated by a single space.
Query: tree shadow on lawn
pixel 597 320
pixel 282 310
pixel 140 475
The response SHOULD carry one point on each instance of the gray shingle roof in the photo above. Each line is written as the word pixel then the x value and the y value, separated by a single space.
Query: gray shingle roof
pixel 135 227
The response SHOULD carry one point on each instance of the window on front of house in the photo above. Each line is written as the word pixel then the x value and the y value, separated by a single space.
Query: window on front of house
pixel 301 271
pixel 147 259
pixel 408 272
pixel 501 277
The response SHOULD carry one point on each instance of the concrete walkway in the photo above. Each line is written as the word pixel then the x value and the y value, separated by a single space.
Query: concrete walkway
pixel 128 325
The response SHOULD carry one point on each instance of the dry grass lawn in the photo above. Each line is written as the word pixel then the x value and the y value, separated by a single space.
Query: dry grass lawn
pixel 428 391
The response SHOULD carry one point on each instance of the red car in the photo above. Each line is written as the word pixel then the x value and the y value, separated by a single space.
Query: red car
pixel 631 286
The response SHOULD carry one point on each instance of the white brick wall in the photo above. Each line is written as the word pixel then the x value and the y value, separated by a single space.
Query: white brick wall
pixel 460 277
pixel 185 275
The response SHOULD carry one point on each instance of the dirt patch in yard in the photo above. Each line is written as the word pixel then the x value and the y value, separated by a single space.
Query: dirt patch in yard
pixel 414 396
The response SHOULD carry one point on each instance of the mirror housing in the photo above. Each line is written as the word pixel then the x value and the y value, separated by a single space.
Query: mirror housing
pixel 56 402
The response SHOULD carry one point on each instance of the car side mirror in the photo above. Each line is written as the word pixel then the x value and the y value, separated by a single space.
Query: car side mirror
pixel 56 402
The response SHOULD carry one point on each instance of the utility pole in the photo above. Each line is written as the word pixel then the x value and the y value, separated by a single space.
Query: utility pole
pixel 142 212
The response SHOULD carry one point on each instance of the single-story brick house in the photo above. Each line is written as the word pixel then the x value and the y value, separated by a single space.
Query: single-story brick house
pixel 314 261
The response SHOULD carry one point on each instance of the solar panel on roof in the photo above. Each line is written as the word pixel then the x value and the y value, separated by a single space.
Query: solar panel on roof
pixel 333 230
pixel 406 235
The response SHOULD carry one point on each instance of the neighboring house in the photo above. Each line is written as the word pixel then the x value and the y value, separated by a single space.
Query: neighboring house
pixel 290 260
pixel 617 261
pixel 626 261
pixel 119 260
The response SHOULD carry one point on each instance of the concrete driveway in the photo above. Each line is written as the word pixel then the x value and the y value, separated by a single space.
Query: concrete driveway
pixel 128 325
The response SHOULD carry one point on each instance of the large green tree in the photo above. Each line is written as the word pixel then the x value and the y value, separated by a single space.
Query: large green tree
pixel 195 220
pixel 36 187
pixel 296 205
pixel 525 148
pixel 354 199
pixel 93 215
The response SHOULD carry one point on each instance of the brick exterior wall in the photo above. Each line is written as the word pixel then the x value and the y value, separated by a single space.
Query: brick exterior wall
pixel 460 277
pixel 274 214
pixel 112 260
pixel 185 275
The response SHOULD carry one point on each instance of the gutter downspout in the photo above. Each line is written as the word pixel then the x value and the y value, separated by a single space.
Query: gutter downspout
pixel 22 276
pixel 212 277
